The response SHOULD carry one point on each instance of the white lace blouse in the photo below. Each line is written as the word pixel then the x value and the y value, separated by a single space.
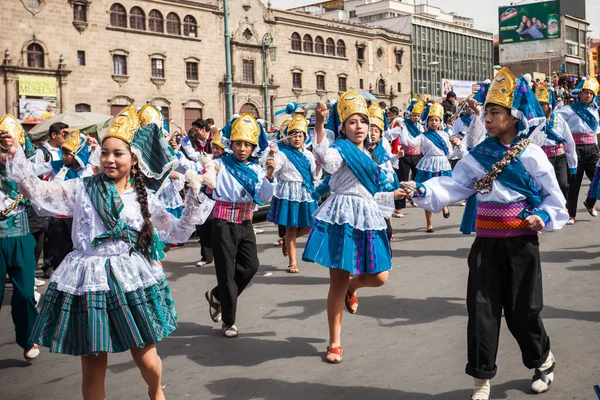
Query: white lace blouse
pixel 350 202
pixel 289 180
pixel 83 270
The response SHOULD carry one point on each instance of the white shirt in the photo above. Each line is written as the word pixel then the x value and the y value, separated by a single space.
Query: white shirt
pixel 575 123
pixel 55 152
pixel 228 189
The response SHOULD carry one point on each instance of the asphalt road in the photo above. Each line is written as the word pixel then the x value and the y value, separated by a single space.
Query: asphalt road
pixel 408 340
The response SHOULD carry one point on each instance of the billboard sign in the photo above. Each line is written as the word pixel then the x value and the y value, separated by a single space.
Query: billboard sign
pixel 529 22
pixel 461 88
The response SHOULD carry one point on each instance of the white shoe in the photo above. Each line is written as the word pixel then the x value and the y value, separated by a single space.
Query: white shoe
pixel 39 282
pixel 36 296
pixel 463 203
pixel 258 231
pixel 201 263
pixel 544 375
pixel 482 389
pixel 229 331
pixel 32 353
pixel 398 214
pixel 571 221
pixel 278 243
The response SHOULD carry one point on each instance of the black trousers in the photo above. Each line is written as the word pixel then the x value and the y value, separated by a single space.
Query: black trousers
pixel 205 236
pixel 561 168
pixel 504 273
pixel 588 156
pixel 58 241
pixel 236 262
pixel 406 165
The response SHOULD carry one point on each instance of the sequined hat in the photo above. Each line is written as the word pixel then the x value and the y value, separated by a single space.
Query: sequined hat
pixel 591 84
pixel 377 117
pixel 351 103
pixel 9 124
pixel 297 123
pixel 436 110
pixel 124 125
pixel 72 141
pixel 216 140
pixel 148 114
pixel 542 94
pixel 418 108
pixel 502 89
pixel 245 129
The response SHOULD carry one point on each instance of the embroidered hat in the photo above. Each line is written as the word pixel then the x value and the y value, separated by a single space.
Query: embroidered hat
pixel 9 124
pixel 377 117
pixel 351 103
pixel 502 89
pixel 591 84
pixel 216 140
pixel 124 125
pixel 148 114
pixel 297 123
pixel 436 110
pixel 76 144
pixel 245 128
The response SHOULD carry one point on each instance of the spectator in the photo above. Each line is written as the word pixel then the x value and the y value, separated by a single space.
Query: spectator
pixel 450 103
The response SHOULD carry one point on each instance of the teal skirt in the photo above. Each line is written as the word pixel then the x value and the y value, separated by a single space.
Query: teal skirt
pixel 113 321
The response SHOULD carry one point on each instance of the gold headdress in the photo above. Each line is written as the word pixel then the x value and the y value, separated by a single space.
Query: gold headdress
pixel 124 125
pixel 148 114
pixel 591 84
pixel 216 140
pixel 245 129
pixel 298 123
pixel 418 108
pixel 72 141
pixel 376 117
pixel 542 94
pixel 9 124
pixel 502 89
pixel 351 103
pixel 284 124
pixel 436 110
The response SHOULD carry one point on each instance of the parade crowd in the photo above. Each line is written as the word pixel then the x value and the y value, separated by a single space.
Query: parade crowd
pixel 104 214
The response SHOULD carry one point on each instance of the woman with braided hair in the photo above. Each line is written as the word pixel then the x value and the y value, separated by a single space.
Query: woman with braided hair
pixel 110 294
pixel 517 196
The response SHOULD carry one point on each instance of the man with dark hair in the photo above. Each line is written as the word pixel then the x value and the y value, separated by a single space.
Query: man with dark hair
pixel 202 133
pixel 450 103
pixel 382 105
pixel 51 150
pixel 210 122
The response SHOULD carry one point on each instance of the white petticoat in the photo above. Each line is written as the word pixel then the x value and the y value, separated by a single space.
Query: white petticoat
pixel 359 212
pixel 292 191
pixel 433 163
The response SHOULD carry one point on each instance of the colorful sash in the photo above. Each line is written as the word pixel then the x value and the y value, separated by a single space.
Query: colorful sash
pixel 302 164
pixel 412 127
pixel 243 174
pixel 381 155
pixel 108 204
pixel 437 140
pixel 466 119
pixel 551 133
pixel 364 167
pixel 58 165
pixel 586 115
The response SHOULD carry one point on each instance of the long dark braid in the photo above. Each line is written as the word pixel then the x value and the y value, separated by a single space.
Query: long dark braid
pixel 147 232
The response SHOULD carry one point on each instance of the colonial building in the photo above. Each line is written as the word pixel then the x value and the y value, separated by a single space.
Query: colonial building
pixel 99 56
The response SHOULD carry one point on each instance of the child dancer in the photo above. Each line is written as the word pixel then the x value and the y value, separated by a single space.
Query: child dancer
pixel 349 234
pixel 292 205
pixel 110 294
pixel 437 148
pixel 17 254
pixel 241 183
pixel 516 201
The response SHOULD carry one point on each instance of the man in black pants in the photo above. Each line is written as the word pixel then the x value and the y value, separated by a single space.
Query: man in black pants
pixel 582 118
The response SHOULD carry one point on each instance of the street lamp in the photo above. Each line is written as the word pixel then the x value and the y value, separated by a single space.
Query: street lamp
pixel 267 40
pixel 434 64
pixel 550 52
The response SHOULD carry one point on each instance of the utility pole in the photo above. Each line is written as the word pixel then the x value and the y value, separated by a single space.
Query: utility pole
pixel 228 76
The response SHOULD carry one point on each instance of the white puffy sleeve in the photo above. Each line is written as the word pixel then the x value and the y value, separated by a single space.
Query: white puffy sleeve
pixel 570 146
pixel 48 198
pixel 196 210
pixel 406 138
pixel 476 132
pixel 385 202
pixel 329 158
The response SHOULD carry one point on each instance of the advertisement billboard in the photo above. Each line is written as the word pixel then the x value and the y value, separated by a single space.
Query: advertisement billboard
pixel 461 88
pixel 529 22
pixel 34 111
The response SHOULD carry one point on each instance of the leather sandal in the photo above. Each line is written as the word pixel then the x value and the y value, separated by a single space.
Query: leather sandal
pixel 543 376
pixel 338 351
pixel 214 308
pixel 293 269
pixel 351 301
pixel 591 210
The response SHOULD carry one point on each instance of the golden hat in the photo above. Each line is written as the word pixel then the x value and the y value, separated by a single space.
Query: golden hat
pixel 542 94
pixel 148 114
pixel 284 125
pixel 298 123
pixel 418 108
pixel 124 125
pixel 9 124
pixel 502 89
pixel 436 110
pixel 591 84
pixel 245 129
pixel 72 141
pixel 376 117
pixel 351 103
pixel 216 140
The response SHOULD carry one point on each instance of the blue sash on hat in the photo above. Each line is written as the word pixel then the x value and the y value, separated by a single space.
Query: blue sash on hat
pixel 437 140
pixel 551 133
pixel 586 115
pixel 466 119
pixel 364 167
pixel 302 164
pixel 242 173
pixel 412 127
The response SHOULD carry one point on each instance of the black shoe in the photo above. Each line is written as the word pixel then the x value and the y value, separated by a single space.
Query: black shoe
pixel 48 273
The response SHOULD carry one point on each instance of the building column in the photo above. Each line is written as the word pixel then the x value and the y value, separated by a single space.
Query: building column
pixel 63 94
pixel 10 94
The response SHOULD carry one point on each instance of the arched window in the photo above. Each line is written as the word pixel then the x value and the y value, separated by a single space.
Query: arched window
pixel 118 16
pixel 35 56
pixel 173 24
pixel 381 86
pixel 137 19
pixel 307 44
pixel 250 108
pixel 296 42
pixel 189 26
pixel 82 107
pixel 330 47
pixel 341 48
pixel 319 45
pixel 155 21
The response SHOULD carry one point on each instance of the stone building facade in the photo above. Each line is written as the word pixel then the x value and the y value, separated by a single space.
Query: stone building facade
pixel 103 55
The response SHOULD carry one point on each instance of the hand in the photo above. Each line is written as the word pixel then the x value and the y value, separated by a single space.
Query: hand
pixel 270 168
pixel 8 143
pixel 455 142
pixel 183 133
pixel 174 175
pixel 400 153
pixel 92 142
pixel 173 142
pixel 535 223
pixel 474 105
pixel 272 150
pixel 400 194
pixel 321 111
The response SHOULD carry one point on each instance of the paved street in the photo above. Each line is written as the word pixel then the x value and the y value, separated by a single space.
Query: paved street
pixel 408 340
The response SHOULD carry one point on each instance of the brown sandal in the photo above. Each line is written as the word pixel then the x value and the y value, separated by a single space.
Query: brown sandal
pixel 351 301
pixel 338 351
pixel 293 269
